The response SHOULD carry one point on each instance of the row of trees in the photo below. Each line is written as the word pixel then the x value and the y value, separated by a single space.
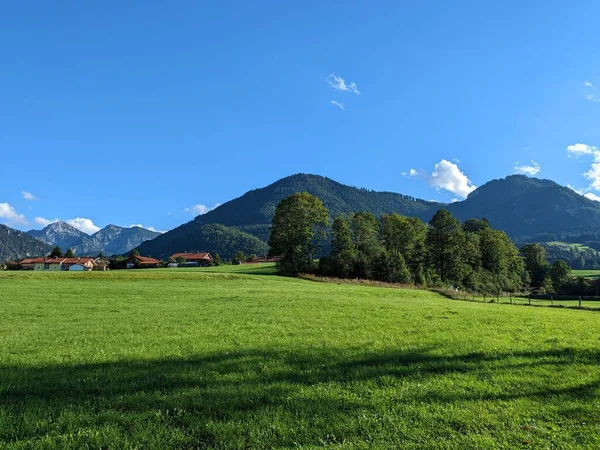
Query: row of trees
pixel 398 249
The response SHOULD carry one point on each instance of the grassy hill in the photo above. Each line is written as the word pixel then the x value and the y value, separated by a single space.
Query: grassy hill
pixel 237 358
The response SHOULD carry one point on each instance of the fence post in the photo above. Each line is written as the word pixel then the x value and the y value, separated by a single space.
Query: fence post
pixel 580 301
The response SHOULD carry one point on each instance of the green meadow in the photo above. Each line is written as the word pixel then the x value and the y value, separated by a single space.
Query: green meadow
pixel 237 357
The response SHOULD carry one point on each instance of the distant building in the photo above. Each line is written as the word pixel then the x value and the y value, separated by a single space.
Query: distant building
pixel 264 259
pixel 29 264
pixel 193 259
pixel 63 264
pixel 141 261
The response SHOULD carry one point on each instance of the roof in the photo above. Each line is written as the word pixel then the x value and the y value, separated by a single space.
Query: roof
pixel 144 259
pixel 192 256
pixel 68 260
pixel 32 261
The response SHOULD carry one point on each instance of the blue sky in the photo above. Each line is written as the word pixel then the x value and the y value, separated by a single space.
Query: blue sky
pixel 138 113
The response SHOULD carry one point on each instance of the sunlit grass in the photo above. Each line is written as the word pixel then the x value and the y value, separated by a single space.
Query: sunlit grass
pixel 235 358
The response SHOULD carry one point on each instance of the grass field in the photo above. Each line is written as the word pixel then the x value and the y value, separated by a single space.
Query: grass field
pixel 239 358
pixel 586 273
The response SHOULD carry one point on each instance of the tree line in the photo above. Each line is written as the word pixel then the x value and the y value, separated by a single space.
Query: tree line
pixel 397 249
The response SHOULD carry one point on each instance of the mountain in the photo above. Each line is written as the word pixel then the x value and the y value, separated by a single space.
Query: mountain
pixel 110 240
pixel 252 213
pixel 114 240
pixel 530 208
pixel 59 233
pixel 15 245
pixel 527 209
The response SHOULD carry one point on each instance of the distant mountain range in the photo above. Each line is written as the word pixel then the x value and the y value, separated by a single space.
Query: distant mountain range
pixel 18 245
pixel 110 240
pixel 528 209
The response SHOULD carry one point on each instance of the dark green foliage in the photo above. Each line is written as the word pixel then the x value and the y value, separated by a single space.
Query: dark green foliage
pixel 560 274
pixel 16 245
pixel 180 260
pixel 343 250
pixel 534 257
pixel 238 258
pixel 445 243
pixel 69 253
pixel 217 260
pixel 297 233
pixel 134 252
pixel 56 252
pixel 212 238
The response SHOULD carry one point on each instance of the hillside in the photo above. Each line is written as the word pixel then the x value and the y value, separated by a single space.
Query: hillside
pixel 15 245
pixel 529 208
pixel 252 212
pixel 212 238
pixel 110 240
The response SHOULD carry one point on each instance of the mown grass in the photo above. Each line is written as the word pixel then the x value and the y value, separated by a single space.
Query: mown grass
pixel 586 273
pixel 237 358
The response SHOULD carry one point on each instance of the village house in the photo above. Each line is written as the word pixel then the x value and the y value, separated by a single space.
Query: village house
pixel 29 263
pixel 141 261
pixel 63 264
pixel 193 259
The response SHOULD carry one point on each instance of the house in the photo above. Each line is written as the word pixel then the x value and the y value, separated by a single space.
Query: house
pixel 141 261
pixel 193 259
pixel 29 263
pixel 63 264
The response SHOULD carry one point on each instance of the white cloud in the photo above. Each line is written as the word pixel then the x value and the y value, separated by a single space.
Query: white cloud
pixel 339 105
pixel 577 150
pixel 198 210
pixel 592 196
pixel 83 224
pixel 592 98
pixel 146 228
pixel 531 170
pixel 588 84
pixel 10 216
pixel 412 173
pixel 45 222
pixel 28 196
pixel 446 175
pixel 339 84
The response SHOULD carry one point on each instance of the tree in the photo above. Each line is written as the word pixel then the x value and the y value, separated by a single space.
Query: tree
pixel 134 252
pixel 238 258
pixel 56 252
pixel 180 260
pixel 560 274
pixel 69 253
pixel 217 260
pixel 444 242
pixel 101 255
pixel 343 252
pixel 534 257
pixel 365 234
pixel 297 231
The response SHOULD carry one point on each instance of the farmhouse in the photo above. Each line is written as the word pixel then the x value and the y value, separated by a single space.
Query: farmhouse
pixel 29 263
pixel 141 261
pixel 193 259
pixel 63 264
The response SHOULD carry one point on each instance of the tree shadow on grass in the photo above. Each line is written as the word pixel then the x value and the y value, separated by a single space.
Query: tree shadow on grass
pixel 229 399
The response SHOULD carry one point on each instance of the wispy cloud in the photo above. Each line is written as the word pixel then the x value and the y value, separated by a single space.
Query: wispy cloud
pixel 145 228
pixel 588 84
pixel 44 222
pixel 28 196
pixel 339 84
pixel 198 210
pixel 528 169
pixel 592 98
pixel 446 175
pixel 339 105
pixel 10 216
